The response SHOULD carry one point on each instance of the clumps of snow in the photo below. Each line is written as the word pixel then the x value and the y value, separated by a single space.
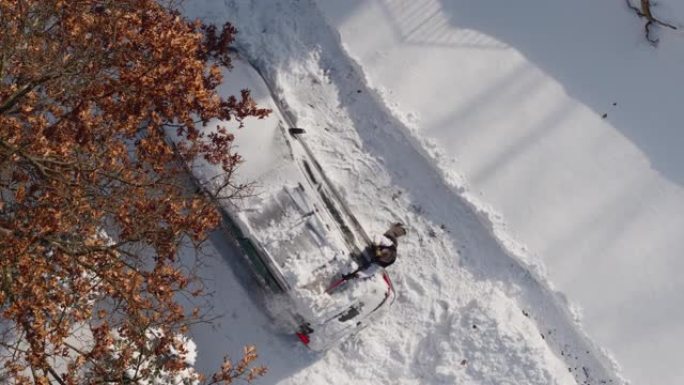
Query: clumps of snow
pixel 183 350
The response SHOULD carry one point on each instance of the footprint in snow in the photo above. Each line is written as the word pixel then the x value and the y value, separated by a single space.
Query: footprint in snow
pixel 414 285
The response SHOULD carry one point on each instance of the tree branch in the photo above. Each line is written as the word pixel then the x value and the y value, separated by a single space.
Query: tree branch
pixel 21 92
pixel 55 375
pixel 645 12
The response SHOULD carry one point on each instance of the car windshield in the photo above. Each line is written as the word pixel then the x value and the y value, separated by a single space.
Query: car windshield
pixel 292 233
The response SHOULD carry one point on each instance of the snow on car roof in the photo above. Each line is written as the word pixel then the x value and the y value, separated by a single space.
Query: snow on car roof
pixel 283 212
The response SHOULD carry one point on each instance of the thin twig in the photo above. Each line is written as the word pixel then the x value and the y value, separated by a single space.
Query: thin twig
pixel 646 13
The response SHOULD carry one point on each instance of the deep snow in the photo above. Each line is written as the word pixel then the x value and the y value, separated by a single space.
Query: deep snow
pixel 564 121
pixel 480 126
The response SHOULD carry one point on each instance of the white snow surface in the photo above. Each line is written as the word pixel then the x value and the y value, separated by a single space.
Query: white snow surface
pixel 533 151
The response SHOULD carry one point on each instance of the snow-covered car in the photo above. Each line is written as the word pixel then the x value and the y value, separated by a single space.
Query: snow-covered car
pixel 295 230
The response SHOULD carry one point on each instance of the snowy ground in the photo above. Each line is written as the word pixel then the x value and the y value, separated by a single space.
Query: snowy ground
pixel 481 127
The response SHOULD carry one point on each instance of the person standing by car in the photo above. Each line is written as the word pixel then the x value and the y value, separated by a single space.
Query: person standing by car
pixel 383 253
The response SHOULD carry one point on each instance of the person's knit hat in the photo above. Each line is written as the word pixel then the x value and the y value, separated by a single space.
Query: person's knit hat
pixel 396 230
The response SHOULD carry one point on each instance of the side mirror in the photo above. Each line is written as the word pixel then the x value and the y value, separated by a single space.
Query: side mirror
pixel 295 131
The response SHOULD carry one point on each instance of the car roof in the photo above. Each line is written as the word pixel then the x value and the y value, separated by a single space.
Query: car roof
pixel 280 197
pixel 257 143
